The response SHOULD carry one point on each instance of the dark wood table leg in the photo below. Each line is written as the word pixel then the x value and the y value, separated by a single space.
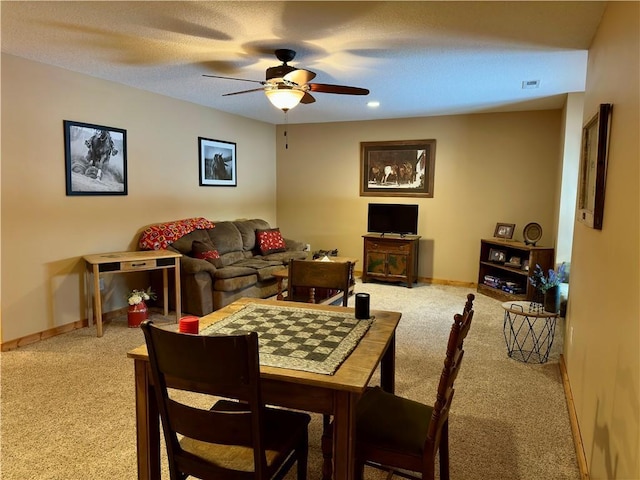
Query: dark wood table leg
pixel 344 421
pixel 147 424
pixel 344 435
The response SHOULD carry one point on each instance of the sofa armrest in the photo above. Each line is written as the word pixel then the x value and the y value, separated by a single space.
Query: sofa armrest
pixel 194 265
pixel 197 293
pixel 294 245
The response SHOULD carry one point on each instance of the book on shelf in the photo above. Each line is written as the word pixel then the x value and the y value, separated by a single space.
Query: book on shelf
pixel 492 281
pixel 514 290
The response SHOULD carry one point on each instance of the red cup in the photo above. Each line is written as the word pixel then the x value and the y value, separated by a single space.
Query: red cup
pixel 189 324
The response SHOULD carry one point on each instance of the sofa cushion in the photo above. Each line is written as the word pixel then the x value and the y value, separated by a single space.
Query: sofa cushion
pixel 267 272
pixel 257 263
pixel 232 271
pixel 226 237
pixel 230 258
pixel 248 229
pixel 270 241
pixel 285 257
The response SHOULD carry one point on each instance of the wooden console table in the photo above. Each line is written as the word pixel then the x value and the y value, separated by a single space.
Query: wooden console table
pixel 121 262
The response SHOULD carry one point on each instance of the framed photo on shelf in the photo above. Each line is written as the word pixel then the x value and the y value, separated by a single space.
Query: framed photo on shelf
pixel 498 256
pixel 593 167
pixel 504 230
pixel 95 159
pixel 514 262
pixel 402 168
pixel 217 163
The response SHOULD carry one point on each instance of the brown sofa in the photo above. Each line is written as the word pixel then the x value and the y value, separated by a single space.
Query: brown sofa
pixel 241 270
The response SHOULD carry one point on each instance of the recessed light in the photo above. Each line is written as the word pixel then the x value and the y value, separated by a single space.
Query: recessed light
pixel 373 104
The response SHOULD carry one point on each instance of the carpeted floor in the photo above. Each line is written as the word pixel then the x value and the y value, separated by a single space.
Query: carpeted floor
pixel 67 408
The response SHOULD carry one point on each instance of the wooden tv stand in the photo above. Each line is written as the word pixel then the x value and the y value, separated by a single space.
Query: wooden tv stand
pixel 391 258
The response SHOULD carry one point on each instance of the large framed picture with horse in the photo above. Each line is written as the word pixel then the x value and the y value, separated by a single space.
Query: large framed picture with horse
pixel 217 163
pixel 403 168
pixel 95 159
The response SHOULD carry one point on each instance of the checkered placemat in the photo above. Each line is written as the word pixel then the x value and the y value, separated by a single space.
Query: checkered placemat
pixel 296 337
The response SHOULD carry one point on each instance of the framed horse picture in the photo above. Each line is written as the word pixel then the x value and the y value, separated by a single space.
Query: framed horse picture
pixel 402 168
pixel 95 159
pixel 217 163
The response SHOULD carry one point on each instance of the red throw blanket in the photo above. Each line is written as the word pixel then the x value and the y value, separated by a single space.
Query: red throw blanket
pixel 161 235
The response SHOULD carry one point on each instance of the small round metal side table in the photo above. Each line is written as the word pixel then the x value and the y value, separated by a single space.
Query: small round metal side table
pixel 528 331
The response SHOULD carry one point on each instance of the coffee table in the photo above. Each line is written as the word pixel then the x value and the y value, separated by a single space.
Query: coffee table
pixel 281 275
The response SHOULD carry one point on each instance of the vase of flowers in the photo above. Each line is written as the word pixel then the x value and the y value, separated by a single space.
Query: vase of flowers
pixel 548 286
pixel 138 311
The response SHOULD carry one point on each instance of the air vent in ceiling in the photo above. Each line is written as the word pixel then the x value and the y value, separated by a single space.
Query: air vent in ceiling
pixel 530 84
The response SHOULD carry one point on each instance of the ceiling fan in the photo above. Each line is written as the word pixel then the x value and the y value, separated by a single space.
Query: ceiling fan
pixel 286 86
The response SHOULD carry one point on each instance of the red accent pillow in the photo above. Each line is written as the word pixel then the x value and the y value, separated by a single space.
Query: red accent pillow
pixel 270 241
pixel 204 250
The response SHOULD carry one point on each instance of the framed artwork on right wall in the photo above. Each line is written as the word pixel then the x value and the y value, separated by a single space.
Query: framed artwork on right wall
pixel 593 167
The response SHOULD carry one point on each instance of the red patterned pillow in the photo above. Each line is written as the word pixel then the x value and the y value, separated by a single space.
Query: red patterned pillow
pixel 270 241
pixel 204 250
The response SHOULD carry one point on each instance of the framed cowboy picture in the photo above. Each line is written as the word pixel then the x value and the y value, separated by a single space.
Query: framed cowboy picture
pixel 95 159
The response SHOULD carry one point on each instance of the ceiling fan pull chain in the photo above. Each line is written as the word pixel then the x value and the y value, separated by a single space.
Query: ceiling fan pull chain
pixel 286 124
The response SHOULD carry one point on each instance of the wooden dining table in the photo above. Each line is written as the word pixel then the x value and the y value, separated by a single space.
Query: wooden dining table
pixel 335 394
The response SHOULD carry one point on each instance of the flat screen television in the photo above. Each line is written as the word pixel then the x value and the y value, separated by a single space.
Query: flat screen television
pixel 393 218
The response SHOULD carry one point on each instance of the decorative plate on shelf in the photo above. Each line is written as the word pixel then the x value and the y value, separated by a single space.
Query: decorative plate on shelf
pixel 532 233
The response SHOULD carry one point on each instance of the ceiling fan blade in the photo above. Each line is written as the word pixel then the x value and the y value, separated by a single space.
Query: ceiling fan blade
pixel 300 76
pixel 340 89
pixel 307 98
pixel 244 91
pixel 232 78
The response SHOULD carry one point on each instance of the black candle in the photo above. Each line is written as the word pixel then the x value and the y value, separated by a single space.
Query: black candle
pixel 362 306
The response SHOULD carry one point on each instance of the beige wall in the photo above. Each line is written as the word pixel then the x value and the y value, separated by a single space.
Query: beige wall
pixel 603 346
pixel 45 233
pixel 489 168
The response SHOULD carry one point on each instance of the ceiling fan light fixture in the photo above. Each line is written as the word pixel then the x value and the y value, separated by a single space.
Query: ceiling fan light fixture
pixel 283 97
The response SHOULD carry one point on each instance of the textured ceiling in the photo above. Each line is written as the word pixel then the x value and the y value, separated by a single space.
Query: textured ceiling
pixel 416 58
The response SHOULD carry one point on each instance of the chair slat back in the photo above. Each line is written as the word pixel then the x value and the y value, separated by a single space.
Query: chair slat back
pixel 452 363
pixel 224 366
pixel 211 426
pixel 190 362
pixel 311 274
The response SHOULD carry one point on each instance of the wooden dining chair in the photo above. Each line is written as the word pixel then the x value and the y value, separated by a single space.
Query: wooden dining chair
pixel 238 438
pixel 307 276
pixel 397 433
